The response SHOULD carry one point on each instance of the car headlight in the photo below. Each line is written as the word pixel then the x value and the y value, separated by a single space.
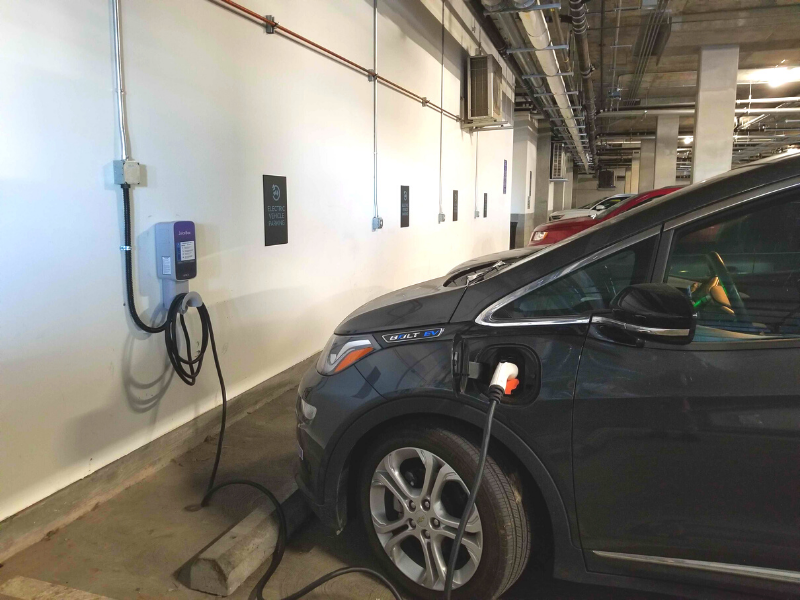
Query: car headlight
pixel 539 235
pixel 343 351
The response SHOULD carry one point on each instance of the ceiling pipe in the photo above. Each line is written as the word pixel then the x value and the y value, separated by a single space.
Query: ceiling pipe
pixel 580 28
pixel 521 63
pixel 535 28
pixel 692 104
pixel 768 100
pixel 688 112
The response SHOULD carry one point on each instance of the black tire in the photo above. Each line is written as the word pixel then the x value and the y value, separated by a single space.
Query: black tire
pixel 504 520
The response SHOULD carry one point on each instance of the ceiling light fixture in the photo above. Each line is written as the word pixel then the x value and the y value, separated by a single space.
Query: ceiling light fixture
pixel 775 76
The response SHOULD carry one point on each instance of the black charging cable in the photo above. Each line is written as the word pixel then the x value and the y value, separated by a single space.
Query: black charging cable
pixel 128 249
pixel 188 369
pixel 495 394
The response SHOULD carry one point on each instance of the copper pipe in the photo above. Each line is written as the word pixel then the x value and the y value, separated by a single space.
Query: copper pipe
pixel 365 70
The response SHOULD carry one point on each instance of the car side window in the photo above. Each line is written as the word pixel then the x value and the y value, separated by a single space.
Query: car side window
pixel 586 289
pixel 742 272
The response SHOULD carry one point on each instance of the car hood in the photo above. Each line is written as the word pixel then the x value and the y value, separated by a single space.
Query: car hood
pixel 578 222
pixel 489 259
pixel 572 213
pixel 420 305
pixel 428 303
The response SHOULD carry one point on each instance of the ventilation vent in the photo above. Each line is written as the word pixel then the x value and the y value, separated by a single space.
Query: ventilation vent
pixel 558 160
pixel 485 90
pixel 605 180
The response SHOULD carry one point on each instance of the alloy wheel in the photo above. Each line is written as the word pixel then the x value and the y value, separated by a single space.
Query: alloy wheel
pixel 416 503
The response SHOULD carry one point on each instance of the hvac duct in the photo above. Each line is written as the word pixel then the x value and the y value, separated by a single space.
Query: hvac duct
pixel 535 28
pixel 580 27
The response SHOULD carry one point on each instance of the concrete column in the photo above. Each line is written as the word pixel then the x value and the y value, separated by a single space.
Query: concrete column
pixel 523 181
pixel 542 175
pixel 627 181
pixel 647 166
pixel 559 188
pixel 666 150
pixel 635 171
pixel 715 111
pixel 569 201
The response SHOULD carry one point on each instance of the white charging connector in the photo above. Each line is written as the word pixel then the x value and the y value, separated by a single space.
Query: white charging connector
pixel 504 372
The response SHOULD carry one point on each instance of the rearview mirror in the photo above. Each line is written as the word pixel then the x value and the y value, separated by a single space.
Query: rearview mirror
pixel 652 311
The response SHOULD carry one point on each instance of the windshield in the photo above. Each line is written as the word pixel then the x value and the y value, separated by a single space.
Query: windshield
pixel 620 203
pixel 608 203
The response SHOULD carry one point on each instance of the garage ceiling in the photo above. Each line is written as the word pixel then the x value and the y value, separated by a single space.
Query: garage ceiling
pixel 764 30
pixel 625 75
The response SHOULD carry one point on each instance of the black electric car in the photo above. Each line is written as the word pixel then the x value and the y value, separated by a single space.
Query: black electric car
pixel 653 440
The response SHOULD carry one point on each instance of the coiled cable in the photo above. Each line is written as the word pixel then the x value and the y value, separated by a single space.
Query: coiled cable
pixel 188 369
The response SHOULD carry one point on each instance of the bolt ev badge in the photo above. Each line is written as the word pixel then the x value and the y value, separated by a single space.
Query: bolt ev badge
pixel 413 335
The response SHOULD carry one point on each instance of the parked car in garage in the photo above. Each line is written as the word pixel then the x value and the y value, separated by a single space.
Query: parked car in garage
pixel 589 210
pixel 654 436
pixel 550 233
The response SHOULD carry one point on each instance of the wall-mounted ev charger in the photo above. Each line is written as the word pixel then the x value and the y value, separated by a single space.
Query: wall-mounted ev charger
pixel 176 258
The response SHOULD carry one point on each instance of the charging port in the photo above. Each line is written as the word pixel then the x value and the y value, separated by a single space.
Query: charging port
pixel 483 362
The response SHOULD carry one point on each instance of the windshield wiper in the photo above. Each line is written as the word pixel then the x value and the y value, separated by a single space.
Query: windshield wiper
pixel 482 274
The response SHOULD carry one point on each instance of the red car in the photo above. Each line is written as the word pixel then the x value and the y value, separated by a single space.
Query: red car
pixel 550 233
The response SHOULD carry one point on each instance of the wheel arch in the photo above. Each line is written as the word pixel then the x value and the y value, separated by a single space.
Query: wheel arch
pixel 340 477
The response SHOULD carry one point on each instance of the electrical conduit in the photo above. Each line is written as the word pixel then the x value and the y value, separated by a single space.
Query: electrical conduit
pixel 539 37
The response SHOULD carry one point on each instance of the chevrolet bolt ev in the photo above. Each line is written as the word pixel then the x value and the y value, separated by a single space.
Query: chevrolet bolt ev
pixel 653 441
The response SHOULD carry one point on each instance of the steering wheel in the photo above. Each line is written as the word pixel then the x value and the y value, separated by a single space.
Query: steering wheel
pixel 725 295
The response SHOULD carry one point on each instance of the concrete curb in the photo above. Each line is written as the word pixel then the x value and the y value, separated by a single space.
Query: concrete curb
pixel 222 567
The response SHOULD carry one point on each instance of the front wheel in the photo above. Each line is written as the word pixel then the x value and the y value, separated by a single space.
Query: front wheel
pixel 412 497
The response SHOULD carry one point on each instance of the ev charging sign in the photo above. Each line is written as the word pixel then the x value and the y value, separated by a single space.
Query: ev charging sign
pixel 276 224
pixel 410 336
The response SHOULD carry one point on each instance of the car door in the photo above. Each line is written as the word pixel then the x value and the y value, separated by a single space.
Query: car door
pixel 687 458
pixel 542 328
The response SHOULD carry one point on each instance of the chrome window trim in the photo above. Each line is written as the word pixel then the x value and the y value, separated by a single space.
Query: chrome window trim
pixel 640 328
pixel 543 321
pixel 701 565
pixel 485 318
pixel 721 205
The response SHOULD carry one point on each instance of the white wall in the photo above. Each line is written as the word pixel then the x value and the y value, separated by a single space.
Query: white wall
pixel 213 104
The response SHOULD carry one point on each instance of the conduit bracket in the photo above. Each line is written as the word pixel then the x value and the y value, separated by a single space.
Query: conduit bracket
pixel 554 5
pixel 371 75
pixel 267 27
pixel 424 101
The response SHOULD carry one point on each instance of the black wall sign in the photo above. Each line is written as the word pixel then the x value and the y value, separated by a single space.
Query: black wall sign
pixel 403 206
pixel 455 205
pixel 485 203
pixel 505 174
pixel 276 223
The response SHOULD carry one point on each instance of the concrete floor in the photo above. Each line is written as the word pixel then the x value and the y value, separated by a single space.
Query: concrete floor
pixel 135 545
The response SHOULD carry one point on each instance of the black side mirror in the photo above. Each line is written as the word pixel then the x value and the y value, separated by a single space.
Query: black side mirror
pixel 652 311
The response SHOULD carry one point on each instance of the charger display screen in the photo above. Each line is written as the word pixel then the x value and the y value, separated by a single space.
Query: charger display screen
pixel 185 251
